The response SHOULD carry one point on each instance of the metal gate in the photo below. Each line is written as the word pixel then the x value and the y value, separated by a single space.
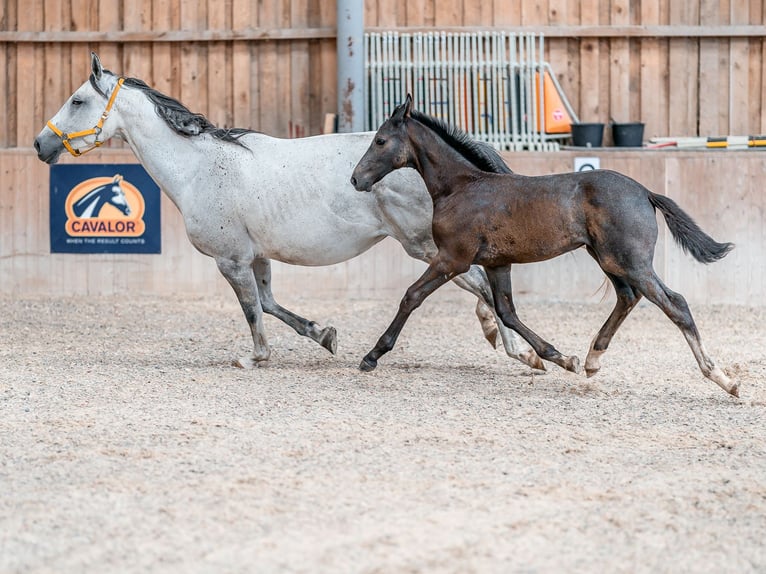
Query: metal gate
pixel 489 84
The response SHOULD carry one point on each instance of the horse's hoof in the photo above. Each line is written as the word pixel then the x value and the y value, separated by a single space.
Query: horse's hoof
pixel 532 359
pixel 573 364
pixel 248 363
pixel 368 365
pixel 734 390
pixel 491 337
pixel 329 339
pixel 591 372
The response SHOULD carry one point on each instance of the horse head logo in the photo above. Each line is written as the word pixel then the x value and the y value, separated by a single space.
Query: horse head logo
pixel 90 204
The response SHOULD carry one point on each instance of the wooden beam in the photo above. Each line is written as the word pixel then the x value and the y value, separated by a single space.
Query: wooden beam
pixel 125 36
pixel 317 33
pixel 602 32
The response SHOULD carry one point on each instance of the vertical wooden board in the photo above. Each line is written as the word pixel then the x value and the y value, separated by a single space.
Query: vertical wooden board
pixel 715 71
pixel 193 65
pixel 244 15
pixel 54 71
pixel 619 68
pixel 329 73
pixel 478 13
pixel 448 13
pixel 557 48
pixel 161 62
pixel 137 56
pixel 414 13
pixel 684 63
pixel 654 76
pixel 299 118
pixel 218 65
pixel 267 72
pixel 506 13
pixel 739 88
pixel 110 52
pixel 534 12
pixel 30 82
pixel 590 73
pixel 755 101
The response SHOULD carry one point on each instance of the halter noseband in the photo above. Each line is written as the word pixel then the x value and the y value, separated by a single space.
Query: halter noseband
pixel 66 138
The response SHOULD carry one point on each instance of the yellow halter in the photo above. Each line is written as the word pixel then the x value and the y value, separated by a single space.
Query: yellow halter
pixel 66 138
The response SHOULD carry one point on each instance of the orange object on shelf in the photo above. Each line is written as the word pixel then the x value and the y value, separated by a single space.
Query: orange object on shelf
pixel 557 119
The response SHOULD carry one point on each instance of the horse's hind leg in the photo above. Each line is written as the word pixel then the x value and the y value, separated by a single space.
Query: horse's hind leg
pixel 627 299
pixel 326 337
pixel 500 282
pixel 241 278
pixel 675 307
pixel 475 282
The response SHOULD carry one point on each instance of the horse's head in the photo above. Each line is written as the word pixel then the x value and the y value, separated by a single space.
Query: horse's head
pixel 390 149
pixel 81 124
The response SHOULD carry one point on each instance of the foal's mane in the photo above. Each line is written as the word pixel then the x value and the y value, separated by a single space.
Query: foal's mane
pixel 178 117
pixel 480 154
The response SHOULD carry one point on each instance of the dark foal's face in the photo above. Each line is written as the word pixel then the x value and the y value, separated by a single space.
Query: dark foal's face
pixel 388 151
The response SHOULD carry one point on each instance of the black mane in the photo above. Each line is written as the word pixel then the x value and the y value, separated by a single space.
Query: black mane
pixel 178 117
pixel 480 154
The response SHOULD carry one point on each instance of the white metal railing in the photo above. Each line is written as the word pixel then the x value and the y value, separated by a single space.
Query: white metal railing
pixel 485 83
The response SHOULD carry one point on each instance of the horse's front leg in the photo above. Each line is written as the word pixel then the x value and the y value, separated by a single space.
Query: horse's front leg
pixel 326 337
pixel 435 276
pixel 241 278
pixel 500 283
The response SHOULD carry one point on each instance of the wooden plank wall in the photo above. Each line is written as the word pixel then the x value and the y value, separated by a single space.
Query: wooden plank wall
pixel 722 190
pixel 694 67
pixel 684 68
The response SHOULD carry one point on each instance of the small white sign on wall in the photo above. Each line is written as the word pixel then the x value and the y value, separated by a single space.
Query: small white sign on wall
pixel 586 163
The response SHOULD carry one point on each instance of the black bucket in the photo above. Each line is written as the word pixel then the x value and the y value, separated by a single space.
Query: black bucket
pixel 628 135
pixel 587 135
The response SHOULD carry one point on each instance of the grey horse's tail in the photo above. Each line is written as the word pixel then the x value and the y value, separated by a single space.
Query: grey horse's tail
pixel 687 233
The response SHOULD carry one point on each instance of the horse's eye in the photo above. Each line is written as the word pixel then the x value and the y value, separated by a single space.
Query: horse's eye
pixel 77 102
pixel 380 141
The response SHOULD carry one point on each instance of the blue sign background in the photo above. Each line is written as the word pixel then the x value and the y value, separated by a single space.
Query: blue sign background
pixel 63 178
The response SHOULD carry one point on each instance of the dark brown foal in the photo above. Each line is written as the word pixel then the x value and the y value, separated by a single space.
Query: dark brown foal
pixel 496 220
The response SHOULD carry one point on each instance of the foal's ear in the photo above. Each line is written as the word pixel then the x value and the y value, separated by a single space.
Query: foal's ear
pixel 95 66
pixel 402 111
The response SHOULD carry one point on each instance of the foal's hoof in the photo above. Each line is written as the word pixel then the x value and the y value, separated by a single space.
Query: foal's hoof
pixel 573 364
pixel 592 371
pixel 329 339
pixel 734 390
pixel 368 365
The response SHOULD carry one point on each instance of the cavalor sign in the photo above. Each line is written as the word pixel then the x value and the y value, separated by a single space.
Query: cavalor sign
pixel 104 208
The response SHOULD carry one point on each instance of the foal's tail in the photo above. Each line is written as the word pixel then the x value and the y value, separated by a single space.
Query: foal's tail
pixel 687 233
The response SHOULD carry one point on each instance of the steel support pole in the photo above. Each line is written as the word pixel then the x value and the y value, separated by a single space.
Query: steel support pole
pixel 350 52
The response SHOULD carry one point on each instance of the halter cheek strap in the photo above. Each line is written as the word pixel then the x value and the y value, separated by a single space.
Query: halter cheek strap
pixel 66 138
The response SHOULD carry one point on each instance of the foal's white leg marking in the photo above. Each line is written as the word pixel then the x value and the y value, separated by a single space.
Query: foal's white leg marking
pixel 709 368
pixel 593 360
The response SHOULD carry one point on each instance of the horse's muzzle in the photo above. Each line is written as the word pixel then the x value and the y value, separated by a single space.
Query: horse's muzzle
pixel 50 155
pixel 359 185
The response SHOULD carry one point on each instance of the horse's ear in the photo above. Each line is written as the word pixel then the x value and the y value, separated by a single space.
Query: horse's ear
pixel 407 105
pixel 402 111
pixel 95 66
